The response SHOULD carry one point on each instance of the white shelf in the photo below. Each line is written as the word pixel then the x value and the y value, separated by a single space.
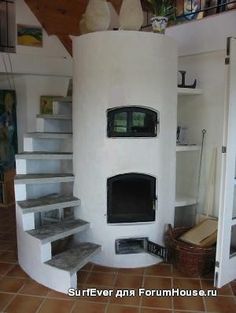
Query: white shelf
pixel 189 91
pixel 184 200
pixel 183 148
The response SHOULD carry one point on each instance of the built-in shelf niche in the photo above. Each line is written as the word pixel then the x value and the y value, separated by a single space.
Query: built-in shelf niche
pixel 186 148
pixel 184 200
pixel 189 91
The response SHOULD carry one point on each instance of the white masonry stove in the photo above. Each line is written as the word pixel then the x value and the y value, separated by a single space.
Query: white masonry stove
pixel 124 126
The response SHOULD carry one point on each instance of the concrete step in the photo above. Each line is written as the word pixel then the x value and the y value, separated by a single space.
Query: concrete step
pixel 75 258
pixel 43 178
pixel 41 155
pixel 54 123
pixel 62 106
pixel 48 203
pixel 62 99
pixel 55 116
pixel 52 232
pixel 41 135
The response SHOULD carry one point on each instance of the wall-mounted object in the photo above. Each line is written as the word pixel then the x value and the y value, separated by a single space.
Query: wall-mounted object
pixel 46 104
pixel 7 26
pixel 183 81
pixel 28 35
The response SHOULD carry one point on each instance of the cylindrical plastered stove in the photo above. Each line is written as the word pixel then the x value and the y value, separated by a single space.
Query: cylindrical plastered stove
pixel 124 138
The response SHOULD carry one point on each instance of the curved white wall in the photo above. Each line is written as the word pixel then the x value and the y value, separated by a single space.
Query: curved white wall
pixel 115 69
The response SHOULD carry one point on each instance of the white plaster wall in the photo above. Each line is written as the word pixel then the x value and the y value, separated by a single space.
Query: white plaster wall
pixel 51 59
pixel 34 72
pixel 29 88
pixel 112 69
pixel 204 35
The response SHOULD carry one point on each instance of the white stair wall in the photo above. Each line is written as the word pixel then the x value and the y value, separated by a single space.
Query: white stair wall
pixel 41 173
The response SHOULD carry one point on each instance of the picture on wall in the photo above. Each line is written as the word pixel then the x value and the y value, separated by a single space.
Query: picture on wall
pixel 29 35
pixel 8 130
pixel 46 104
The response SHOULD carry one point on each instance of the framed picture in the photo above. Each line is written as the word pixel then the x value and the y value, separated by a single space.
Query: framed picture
pixel 46 104
pixel 29 35
pixel 8 130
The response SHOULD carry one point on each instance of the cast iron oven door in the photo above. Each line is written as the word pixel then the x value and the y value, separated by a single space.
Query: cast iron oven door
pixel 131 198
pixel 132 122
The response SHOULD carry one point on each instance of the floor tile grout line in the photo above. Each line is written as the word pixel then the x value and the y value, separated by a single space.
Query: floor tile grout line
pixel 5 274
pixel 203 298
pixel 40 306
pixel 109 299
pixel 141 298
pixel 15 295
pixel 172 298
pixel 72 308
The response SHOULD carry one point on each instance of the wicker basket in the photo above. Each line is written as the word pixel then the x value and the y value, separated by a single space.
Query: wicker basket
pixel 187 258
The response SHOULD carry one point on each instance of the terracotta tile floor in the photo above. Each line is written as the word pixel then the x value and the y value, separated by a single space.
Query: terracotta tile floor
pixel 20 294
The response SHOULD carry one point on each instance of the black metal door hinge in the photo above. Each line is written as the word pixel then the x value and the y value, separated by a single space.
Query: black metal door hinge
pixel 227 60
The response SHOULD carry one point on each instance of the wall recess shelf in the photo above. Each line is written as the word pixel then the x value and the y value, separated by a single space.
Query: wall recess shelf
pixel 189 91
pixel 182 200
pixel 183 148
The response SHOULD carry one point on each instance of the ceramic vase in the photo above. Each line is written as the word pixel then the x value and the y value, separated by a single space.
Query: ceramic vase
pixel 159 24
pixel 97 15
pixel 131 15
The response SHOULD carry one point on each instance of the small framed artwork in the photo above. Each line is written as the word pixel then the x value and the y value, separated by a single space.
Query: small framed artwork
pixel 46 104
pixel 29 35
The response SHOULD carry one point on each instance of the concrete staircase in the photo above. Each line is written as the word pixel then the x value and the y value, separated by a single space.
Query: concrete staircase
pixel 45 204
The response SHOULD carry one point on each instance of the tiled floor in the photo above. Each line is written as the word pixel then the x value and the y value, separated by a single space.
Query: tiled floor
pixel 20 294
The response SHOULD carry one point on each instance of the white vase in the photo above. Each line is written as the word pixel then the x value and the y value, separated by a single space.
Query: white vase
pixel 97 15
pixel 83 27
pixel 131 15
pixel 159 24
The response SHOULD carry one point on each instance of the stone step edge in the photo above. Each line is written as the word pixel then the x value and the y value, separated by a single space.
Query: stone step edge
pixel 48 135
pixel 48 207
pixel 55 116
pixel 42 155
pixel 59 261
pixel 33 179
pixel 61 230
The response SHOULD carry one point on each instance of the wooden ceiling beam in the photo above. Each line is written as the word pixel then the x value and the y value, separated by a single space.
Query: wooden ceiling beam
pixel 62 17
pixel 67 42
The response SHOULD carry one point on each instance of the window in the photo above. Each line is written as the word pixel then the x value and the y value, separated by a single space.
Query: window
pixel 132 122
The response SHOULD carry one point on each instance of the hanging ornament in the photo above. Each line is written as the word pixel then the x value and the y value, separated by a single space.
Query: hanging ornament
pixel 97 15
pixel 131 15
